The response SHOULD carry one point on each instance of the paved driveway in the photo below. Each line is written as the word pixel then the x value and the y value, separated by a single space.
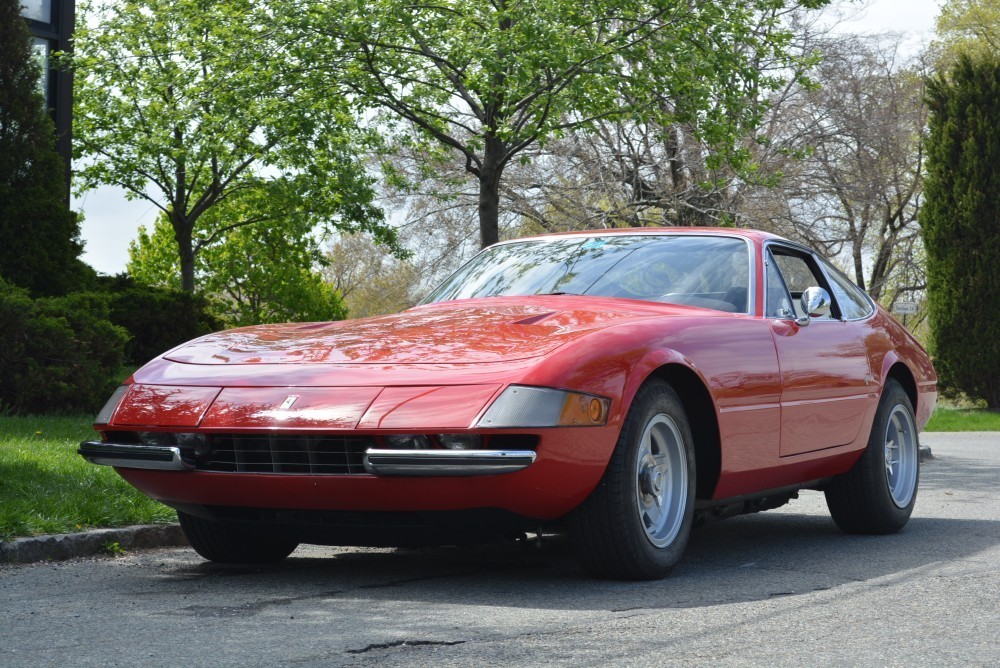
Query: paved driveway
pixel 778 588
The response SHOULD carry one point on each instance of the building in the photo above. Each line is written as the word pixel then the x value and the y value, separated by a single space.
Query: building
pixel 51 25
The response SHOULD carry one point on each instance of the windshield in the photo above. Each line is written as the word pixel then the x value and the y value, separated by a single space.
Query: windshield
pixel 706 271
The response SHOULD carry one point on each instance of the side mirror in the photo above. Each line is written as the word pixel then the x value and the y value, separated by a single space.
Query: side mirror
pixel 815 303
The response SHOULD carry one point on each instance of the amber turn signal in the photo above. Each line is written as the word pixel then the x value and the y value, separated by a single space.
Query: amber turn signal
pixel 582 410
pixel 526 406
pixel 597 411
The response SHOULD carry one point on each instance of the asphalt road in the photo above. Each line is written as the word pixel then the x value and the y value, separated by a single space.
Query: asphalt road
pixel 779 588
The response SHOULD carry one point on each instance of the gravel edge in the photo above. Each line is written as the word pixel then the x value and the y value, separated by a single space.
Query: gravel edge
pixel 88 543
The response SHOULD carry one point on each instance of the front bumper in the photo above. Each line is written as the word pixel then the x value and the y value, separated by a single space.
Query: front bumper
pixel 568 464
pixel 156 457
pixel 378 462
pixel 446 462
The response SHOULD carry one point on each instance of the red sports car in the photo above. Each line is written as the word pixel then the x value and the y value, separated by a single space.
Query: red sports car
pixel 622 384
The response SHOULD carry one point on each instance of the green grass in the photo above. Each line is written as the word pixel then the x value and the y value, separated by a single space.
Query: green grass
pixel 946 418
pixel 45 487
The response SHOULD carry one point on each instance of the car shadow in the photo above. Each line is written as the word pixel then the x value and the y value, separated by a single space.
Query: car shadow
pixel 751 558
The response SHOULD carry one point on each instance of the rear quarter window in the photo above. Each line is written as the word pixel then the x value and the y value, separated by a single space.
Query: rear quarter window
pixel 853 302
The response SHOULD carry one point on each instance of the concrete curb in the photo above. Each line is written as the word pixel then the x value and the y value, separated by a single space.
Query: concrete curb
pixel 89 543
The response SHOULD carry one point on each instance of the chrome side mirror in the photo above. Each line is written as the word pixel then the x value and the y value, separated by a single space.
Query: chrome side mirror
pixel 815 303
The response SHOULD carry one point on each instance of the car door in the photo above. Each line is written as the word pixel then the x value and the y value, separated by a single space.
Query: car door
pixel 825 376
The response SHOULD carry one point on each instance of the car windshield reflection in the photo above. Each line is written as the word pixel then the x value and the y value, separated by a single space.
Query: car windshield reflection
pixel 710 272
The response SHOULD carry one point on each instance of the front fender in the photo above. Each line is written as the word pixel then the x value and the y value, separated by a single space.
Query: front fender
pixel 613 362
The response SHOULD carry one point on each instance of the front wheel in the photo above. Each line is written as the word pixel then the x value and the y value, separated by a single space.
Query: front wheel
pixel 635 524
pixel 877 495
pixel 226 544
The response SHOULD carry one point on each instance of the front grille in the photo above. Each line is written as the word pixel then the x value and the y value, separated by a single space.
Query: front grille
pixel 302 454
pixel 287 453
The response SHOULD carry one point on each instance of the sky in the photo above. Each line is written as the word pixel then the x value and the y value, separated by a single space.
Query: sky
pixel 111 221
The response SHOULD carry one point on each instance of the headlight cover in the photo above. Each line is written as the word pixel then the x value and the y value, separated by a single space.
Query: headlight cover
pixel 408 441
pixel 525 406
pixel 104 417
pixel 460 441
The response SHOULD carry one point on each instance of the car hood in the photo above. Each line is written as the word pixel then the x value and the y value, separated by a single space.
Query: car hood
pixel 466 332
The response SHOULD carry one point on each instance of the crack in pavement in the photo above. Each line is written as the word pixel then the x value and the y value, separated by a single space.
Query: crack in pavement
pixel 405 643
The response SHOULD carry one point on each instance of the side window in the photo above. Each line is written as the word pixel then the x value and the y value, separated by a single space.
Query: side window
pixel 853 303
pixel 796 272
pixel 777 302
pixel 799 272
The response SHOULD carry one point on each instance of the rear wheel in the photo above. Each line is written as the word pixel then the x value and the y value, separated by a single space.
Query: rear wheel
pixel 226 544
pixel 877 495
pixel 635 524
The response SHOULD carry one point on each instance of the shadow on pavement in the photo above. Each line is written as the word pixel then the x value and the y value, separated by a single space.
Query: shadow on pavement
pixel 750 558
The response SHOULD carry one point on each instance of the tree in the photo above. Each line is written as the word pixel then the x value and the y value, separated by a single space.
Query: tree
pixel 39 235
pixel 371 279
pixel 252 274
pixel 489 80
pixel 189 103
pixel 634 172
pixel 961 226
pixel 836 162
pixel 852 177
pixel 967 26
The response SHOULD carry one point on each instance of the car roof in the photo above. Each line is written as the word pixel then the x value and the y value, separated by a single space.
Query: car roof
pixel 756 235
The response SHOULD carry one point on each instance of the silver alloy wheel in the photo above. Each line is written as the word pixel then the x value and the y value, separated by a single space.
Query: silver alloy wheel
pixel 661 480
pixel 901 455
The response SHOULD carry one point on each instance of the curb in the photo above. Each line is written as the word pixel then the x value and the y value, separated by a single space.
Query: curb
pixel 89 543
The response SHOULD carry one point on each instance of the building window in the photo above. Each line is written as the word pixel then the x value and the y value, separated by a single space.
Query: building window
pixel 50 23
pixel 41 48
pixel 39 10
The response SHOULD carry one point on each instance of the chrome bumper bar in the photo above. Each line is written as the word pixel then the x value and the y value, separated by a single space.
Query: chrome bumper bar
pixel 162 457
pixel 446 462
pixel 380 462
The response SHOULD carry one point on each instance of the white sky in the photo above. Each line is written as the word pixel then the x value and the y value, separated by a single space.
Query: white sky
pixel 111 221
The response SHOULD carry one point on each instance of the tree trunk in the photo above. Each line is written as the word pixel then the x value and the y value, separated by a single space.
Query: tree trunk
pixel 489 211
pixel 859 268
pixel 185 251
pixel 187 270
pixel 489 193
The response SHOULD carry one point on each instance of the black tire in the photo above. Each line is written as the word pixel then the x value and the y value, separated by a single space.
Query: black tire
pixel 618 532
pixel 226 544
pixel 873 497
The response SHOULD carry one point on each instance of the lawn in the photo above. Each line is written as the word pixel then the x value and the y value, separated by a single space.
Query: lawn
pixel 946 418
pixel 45 487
